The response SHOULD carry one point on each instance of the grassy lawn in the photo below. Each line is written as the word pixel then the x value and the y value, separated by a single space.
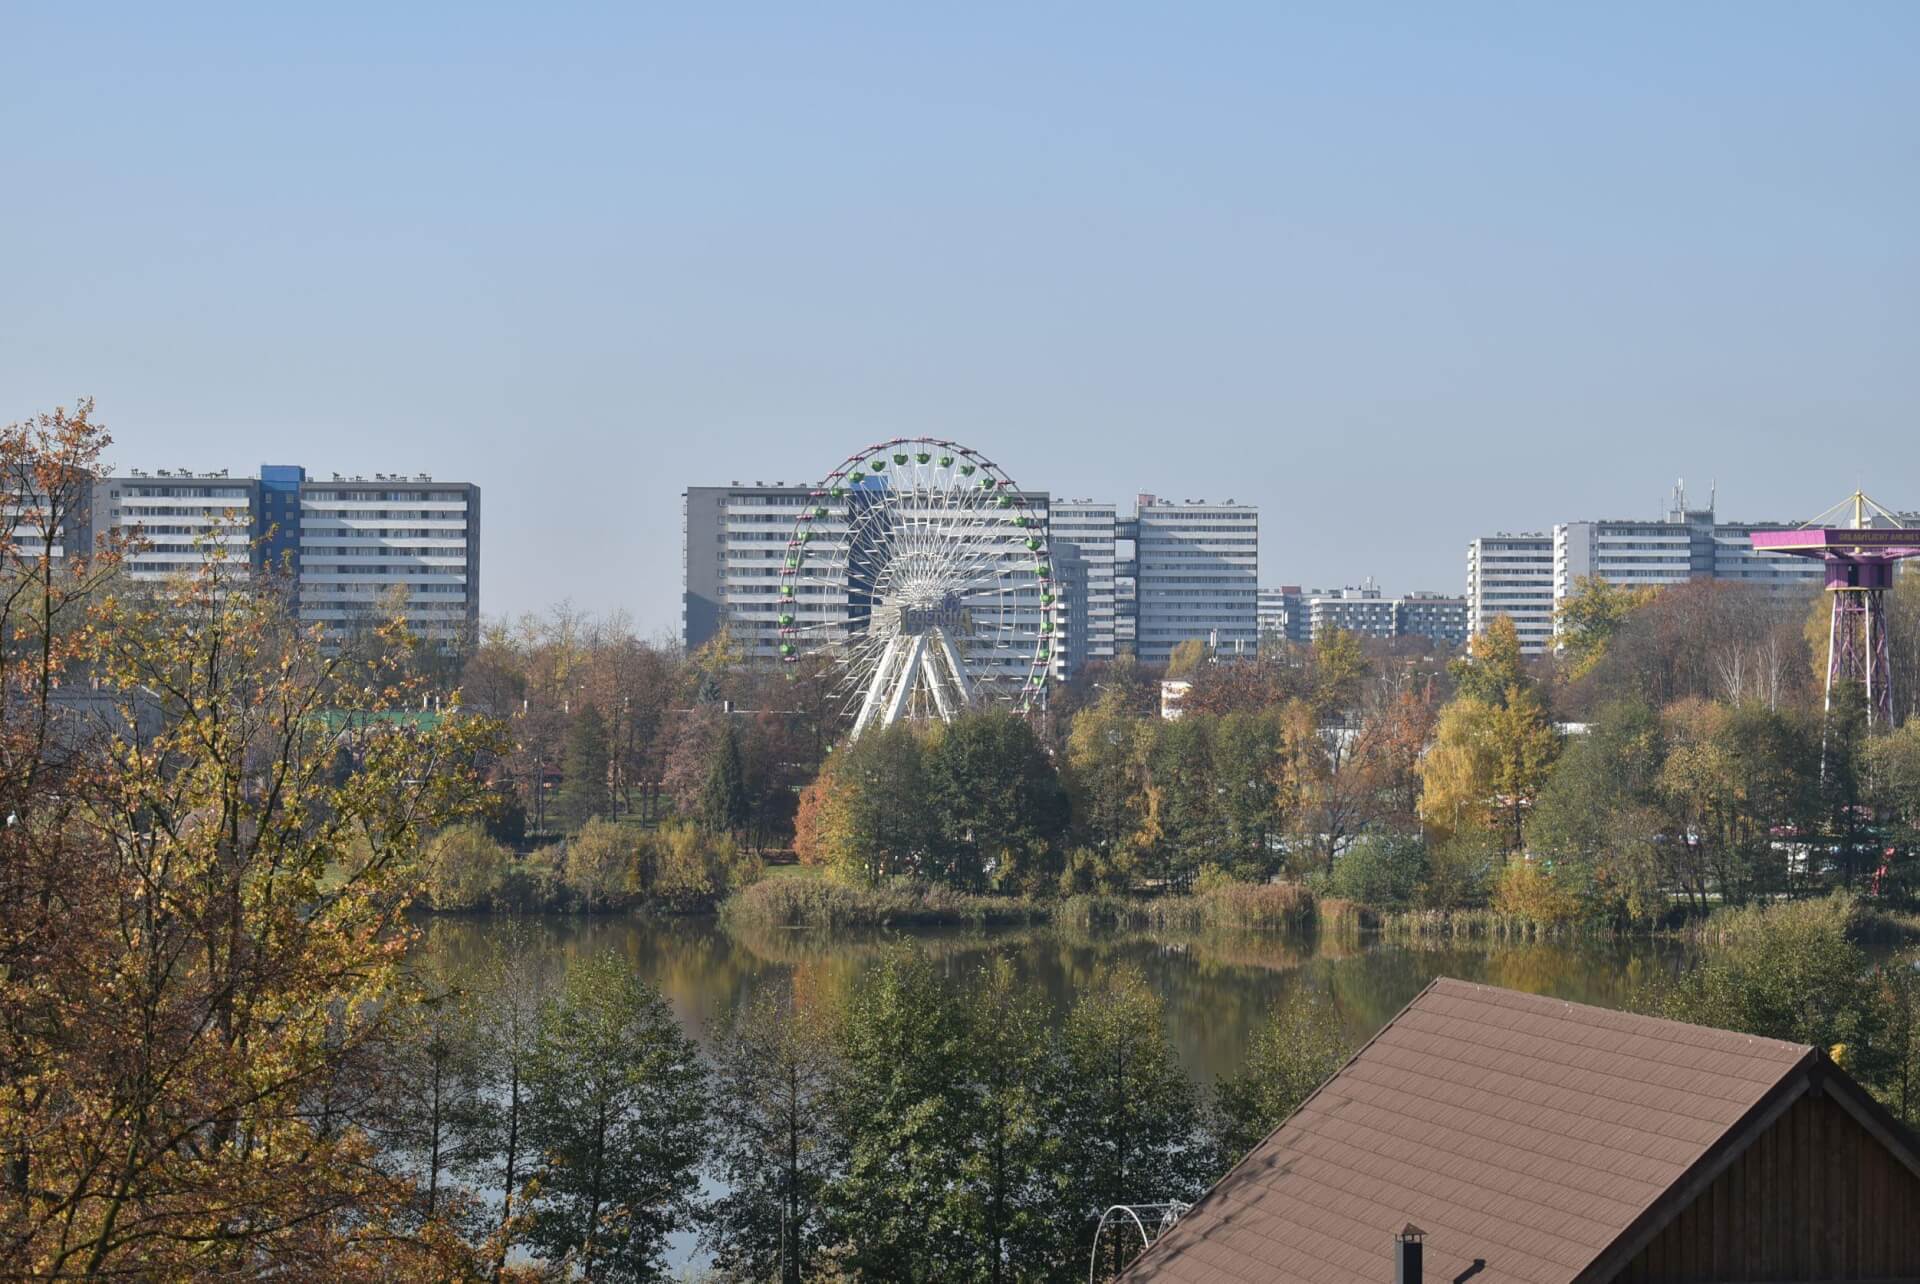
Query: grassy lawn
pixel 805 872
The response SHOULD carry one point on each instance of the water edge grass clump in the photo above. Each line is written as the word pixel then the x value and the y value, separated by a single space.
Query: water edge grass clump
pixel 1252 906
pixel 789 902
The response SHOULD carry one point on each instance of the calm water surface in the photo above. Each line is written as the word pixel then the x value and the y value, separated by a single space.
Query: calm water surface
pixel 1217 985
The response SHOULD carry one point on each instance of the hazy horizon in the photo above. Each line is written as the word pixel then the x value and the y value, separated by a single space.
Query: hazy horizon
pixel 1401 276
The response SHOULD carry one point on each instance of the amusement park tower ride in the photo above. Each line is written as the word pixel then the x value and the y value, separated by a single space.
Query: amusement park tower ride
pixel 1860 557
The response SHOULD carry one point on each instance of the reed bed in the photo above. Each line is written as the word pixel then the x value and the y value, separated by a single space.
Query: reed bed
pixel 794 902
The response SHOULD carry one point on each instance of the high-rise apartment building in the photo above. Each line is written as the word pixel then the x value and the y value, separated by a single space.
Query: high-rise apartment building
pixel 345 545
pixel 1092 529
pixel 1196 575
pixel 1688 544
pixel 361 538
pixel 1512 575
pixel 1529 576
pixel 735 541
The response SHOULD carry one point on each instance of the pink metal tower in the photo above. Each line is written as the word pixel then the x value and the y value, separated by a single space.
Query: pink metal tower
pixel 1860 557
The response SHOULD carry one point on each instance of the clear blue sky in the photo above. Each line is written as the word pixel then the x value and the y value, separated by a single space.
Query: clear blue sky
pixel 1400 273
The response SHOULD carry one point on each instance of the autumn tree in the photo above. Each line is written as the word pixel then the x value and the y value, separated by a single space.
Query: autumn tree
pixel 200 924
pixel 1585 622
pixel 600 862
pixel 583 789
pixel 1107 781
pixel 1186 659
pixel 1493 664
pixel 462 867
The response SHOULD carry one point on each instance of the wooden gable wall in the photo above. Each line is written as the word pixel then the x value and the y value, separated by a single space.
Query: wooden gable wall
pixel 1816 1196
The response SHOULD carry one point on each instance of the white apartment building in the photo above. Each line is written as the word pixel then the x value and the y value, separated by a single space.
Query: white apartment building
pixel 1529 576
pixel 1092 528
pixel 180 517
pixel 735 539
pixel 1688 544
pixel 342 545
pixel 1359 610
pixel 1196 575
pixel 1512 575
pixel 362 538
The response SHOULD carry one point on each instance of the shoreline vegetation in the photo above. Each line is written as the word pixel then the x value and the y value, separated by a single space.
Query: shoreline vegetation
pixel 798 903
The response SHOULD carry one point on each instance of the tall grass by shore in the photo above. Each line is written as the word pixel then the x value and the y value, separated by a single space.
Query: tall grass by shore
pixel 814 902
pixel 818 903
pixel 1275 907
pixel 1254 906
pixel 1865 923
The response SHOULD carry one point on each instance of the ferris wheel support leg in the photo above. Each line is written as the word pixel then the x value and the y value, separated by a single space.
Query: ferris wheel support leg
pixel 937 685
pixel 877 685
pixel 904 683
pixel 955 669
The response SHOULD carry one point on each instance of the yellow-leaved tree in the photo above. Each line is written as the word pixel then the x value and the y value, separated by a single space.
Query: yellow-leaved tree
pixel 212 830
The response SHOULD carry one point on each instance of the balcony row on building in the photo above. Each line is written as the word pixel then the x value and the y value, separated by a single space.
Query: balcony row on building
pixel 345 543
pixel 1528 576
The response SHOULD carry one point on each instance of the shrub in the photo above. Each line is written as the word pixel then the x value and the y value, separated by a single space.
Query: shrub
pixel 1460 870
pixel 687 868
pixel 463 868
pixel 1087 870
pixel 1382 870
pixel 1785 971
pixel 1530 891
pixel 600 863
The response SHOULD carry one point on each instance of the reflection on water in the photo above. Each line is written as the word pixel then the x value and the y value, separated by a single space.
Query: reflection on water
pixel 1217 985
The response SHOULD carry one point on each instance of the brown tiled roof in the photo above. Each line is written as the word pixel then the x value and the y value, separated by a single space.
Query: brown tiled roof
pixel 1523 1130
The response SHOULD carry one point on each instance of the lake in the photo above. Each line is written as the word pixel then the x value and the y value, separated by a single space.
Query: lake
pixel 1217 985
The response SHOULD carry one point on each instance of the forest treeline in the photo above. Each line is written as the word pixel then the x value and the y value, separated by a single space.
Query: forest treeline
pixel 1675 752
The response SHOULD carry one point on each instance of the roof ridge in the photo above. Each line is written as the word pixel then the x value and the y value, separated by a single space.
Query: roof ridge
pixel 1527 998
pixel 1580 1063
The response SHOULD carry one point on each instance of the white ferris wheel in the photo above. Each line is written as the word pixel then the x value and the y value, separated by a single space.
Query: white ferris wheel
pixel 924 572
